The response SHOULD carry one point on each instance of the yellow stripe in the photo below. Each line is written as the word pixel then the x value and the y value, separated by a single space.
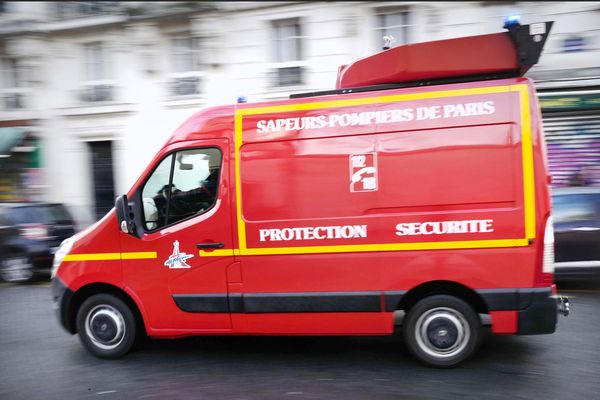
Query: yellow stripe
pixel 138 255
pixel 238 190
pixel 92 257
pixel 465 244
pixel 443 93
pixel 110 256
pixel 218 253
pixel 527 161
pixel 307 106
pixel 371 100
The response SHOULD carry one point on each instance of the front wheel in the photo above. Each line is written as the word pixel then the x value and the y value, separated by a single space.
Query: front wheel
pixel 442 331
pixel 106 326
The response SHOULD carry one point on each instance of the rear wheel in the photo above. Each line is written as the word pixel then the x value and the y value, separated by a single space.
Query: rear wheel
pixel 16 268
pixel 106 326
pixel 442 331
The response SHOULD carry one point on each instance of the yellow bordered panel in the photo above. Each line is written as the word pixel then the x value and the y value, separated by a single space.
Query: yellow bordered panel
pixel 527 164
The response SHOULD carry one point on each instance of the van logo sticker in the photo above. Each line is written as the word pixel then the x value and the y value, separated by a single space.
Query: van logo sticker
pixel 363 172
pixel 177 259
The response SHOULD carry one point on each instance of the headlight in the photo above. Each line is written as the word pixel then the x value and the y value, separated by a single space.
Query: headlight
pixel 63 250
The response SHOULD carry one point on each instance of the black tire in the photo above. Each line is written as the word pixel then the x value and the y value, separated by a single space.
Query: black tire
pixel 17 268
pixel 442 331
pixel 106 326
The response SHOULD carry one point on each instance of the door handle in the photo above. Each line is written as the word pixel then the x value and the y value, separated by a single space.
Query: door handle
pixel 215 245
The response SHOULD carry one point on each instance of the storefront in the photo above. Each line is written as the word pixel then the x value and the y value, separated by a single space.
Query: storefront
pixel 20 165
pixel 572 127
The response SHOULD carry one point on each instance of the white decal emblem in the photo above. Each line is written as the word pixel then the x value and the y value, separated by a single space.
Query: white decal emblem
pixel 177 259
pixel 363 172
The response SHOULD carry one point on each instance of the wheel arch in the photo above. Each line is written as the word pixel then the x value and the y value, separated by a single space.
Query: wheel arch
pixel 451 288
pixel 91 289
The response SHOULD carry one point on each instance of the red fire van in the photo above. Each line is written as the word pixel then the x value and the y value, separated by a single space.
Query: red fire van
pixel 418 187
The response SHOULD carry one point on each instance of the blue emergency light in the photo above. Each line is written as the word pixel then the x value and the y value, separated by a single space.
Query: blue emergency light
pixel 512 21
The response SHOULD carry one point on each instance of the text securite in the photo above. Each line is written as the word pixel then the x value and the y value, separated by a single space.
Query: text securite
pixel 313 233
pixel 444 227
pixel 376 117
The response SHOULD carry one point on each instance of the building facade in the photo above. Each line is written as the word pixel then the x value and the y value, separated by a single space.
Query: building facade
pixel 89 91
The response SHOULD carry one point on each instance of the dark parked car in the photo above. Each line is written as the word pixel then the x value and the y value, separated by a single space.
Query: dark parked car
pixel 30 233
pixel 576 212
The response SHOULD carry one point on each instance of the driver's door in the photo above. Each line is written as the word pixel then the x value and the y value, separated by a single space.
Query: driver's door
pixel 186 207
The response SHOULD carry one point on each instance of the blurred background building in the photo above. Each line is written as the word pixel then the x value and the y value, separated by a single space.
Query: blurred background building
pixel 89 91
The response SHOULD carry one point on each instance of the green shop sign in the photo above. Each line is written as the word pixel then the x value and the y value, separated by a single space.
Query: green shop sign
pixel 569 102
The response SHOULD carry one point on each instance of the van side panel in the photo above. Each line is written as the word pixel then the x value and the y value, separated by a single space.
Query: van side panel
pixel 445 200
pixel 417 171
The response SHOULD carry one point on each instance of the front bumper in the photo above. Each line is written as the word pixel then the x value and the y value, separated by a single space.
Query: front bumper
pixel 61 299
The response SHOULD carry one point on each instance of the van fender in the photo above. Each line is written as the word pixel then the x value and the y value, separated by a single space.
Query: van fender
pixel 99 286
pixel 140 306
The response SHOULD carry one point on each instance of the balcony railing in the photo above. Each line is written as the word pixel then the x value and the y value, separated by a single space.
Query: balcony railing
pixel 185 84
pixel 14 99
pixel 94 93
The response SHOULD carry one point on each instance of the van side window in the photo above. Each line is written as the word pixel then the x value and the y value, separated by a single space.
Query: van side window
pixel 195 183
pixel 183 185
pixel 155 195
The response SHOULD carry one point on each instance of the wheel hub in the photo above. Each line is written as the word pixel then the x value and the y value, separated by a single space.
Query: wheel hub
pixel 442 332
pixel 105 326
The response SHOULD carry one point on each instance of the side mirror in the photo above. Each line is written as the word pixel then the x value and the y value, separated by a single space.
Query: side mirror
pixel 126 223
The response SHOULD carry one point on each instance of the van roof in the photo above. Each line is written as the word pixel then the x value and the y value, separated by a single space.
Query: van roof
pixel 470 58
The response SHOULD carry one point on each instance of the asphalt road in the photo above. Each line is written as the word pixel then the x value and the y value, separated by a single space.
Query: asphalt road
pixel 38 360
